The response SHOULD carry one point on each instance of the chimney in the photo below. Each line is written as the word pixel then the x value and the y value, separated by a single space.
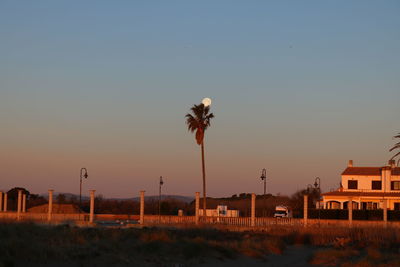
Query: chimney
pixel 392 163
pixel 350 164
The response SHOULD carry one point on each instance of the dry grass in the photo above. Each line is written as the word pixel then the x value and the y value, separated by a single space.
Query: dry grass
pixel 22 243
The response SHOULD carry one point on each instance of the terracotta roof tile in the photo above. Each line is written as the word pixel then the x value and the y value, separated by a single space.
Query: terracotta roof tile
pixel 368 171
pixel 371 171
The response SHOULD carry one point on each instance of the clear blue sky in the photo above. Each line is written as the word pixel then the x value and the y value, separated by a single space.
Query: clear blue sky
pixel 298 88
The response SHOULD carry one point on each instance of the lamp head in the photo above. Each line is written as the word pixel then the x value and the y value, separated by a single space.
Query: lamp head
pixel 84 173
pixel 263 174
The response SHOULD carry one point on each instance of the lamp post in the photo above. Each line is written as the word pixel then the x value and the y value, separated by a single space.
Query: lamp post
pixel 317 185
pixel 83 174
pixel 159 198
pixel 264 178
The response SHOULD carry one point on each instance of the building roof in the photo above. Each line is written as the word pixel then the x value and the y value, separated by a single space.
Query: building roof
pixel 368 171
pixel 362 194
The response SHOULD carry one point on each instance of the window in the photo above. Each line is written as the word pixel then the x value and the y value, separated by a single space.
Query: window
pixel 369 205
pixel 352 184
pixel 395 185
pixel 397 206
pixel 376 185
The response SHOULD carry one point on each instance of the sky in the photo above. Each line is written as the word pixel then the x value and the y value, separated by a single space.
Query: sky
pixel 297 87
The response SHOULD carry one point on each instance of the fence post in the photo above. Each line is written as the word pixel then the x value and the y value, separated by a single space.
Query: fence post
pixel 350 207
pixel 1 201
pixel 253 209
pixel 91 217
pixel 305 217
pixel 5 201
pixel 50 207
pixel 141 220
pixel 197 207
pixel 19 204
pixel 24 203
pixel 385 212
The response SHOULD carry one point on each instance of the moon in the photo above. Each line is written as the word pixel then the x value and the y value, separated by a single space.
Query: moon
pixel 206 102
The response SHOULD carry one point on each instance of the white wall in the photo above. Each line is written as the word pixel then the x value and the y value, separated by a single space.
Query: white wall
pixel 364 182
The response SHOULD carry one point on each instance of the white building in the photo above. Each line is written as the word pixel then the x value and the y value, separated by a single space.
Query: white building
pixel 368 187
pixel 220 211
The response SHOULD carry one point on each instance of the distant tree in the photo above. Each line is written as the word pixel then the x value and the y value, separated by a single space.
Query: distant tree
pixel 198 122
pixel 35 200
pixel 12 196
pixel 13 193
pixel 73 199
pixel 396 146
pixel 297 200
pixel 242 195
pixel 165 207
pixel 61 199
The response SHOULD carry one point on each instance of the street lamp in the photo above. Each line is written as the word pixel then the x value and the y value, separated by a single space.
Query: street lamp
pixel 159 198
pixel 317 185
pixel 264 178
pixel 83 174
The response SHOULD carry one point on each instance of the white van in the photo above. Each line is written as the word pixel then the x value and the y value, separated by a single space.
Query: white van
pixel 282 212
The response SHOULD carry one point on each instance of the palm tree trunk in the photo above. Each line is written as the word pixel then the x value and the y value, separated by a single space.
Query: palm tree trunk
pixel 204 179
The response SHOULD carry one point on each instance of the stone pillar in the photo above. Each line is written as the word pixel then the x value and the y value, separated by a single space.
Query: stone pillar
pixel 253 209
pixel 5 201
pixel 305 217
pixel 385 212
pixel 19 204
pixel 91 205
pixel 24 203
pixel 50 207
pixel 197 207
pixel 141 221
pixel 350 207
pixel 1 201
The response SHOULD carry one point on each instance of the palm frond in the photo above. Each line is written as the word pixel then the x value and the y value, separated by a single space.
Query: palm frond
pixel 395 155
pixel 191 122
pixel 199 120
pixel 395 147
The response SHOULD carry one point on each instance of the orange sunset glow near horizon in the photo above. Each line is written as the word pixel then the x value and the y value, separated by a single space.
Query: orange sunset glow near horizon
pixel 297 91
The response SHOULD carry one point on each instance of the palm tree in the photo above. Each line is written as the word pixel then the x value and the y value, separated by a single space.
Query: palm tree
pixel 396 146
pixel 199 122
